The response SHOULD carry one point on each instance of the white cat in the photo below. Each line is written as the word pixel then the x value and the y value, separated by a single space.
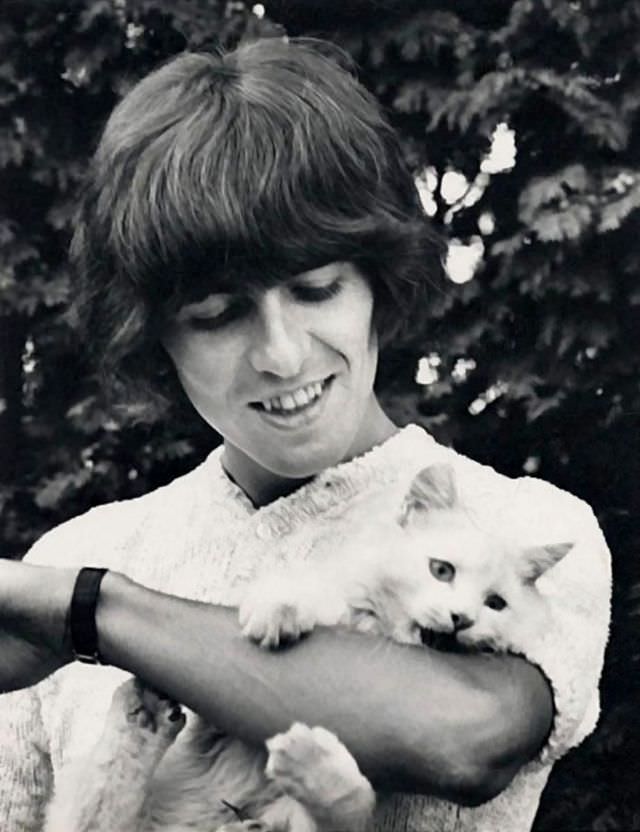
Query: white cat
pixel 139 779
pixel 433 575
pixel 434 572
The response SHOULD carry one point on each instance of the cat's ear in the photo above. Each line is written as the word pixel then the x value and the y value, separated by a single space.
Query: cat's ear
pixel 537 560
pixel 432 488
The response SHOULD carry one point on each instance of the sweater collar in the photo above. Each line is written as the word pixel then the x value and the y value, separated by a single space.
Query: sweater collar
pixel 330 490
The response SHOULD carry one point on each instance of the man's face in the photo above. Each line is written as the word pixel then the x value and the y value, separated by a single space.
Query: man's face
pixel 285 375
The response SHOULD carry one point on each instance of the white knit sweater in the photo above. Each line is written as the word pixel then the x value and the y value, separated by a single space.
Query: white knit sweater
pixel 201 538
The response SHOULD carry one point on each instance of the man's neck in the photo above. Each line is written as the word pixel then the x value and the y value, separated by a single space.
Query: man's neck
pixel 259 484
pixel 263 486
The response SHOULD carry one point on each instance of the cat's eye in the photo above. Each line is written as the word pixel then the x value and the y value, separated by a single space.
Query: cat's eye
pixel 495 602
pixel 442 570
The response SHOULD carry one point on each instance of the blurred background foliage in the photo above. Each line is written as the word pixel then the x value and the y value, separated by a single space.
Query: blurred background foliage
pixel 521 121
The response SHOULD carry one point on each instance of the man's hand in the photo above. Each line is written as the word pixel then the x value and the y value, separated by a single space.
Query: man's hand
pixel 33 608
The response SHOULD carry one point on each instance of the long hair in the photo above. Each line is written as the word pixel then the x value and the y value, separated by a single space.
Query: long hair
pixel 227 172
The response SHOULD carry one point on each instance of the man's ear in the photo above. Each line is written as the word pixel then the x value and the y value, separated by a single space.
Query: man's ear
pixel 432 488
pixel 537 560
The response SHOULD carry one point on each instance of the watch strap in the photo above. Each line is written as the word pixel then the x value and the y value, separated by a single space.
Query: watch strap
pixel 82 615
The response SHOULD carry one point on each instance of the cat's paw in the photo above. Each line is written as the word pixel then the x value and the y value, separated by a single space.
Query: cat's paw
pixel 271 615
pixel 148 711
pixel 314 767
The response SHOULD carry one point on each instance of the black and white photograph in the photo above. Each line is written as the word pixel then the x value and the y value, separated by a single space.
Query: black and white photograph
pixel 319 415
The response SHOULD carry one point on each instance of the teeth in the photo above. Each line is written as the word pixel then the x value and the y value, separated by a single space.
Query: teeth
pixel 301 397
pixel 298 398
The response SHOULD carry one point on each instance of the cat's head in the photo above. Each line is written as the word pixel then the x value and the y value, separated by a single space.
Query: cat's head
pixel 468 582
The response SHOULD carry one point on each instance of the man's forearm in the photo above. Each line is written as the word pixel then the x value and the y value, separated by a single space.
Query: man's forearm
pixel 413 718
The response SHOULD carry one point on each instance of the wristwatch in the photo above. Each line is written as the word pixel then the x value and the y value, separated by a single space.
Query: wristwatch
pixel 82 615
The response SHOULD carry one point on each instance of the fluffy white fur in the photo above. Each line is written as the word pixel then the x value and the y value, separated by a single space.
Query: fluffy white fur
pixel 140 779
pixel 432 572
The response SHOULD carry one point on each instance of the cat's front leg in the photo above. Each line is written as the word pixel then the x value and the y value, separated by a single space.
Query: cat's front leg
pixel 108 789
pixel 280 609
pixel 316 769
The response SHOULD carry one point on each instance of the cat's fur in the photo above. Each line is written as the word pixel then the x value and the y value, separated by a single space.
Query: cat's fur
pixel 434 571
pixel 388 581
pixel 139 779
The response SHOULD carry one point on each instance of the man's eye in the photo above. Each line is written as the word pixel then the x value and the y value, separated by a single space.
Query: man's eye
pixel 495 602
pixel 442 570
pixel 310 293
pixel 231 312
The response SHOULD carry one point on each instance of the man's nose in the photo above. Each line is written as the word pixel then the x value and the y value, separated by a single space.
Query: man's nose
pixel 460 621
pixel 280 343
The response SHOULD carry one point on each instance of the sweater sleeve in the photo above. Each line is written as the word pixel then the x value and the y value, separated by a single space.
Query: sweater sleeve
pixel 25 766
pixel 26 773
pixel 570 650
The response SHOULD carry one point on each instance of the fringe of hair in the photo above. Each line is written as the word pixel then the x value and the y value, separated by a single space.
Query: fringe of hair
pixel 227 172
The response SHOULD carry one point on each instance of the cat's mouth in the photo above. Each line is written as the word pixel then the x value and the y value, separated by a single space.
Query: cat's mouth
pixel 445 642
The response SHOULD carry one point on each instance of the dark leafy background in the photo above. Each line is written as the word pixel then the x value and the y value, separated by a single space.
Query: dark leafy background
pixel 547 329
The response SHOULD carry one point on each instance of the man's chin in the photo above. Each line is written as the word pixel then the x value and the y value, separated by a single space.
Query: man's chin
pixel 299 470
pixel 306 460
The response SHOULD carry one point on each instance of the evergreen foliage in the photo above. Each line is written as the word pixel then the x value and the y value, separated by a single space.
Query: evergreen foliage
pixel 533 364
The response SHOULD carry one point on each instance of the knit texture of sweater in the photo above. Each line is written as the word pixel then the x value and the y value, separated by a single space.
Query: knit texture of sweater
pixel 200 537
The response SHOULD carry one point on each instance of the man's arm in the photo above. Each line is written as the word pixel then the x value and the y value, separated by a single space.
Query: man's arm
pixel 416 720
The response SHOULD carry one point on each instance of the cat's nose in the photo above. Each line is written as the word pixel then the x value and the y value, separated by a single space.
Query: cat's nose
pixel 460 621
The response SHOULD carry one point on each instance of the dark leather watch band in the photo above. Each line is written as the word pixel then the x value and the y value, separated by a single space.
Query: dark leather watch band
pixel 82 615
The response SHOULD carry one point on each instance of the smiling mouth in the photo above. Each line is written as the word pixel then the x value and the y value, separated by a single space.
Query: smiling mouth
pixel 295 401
